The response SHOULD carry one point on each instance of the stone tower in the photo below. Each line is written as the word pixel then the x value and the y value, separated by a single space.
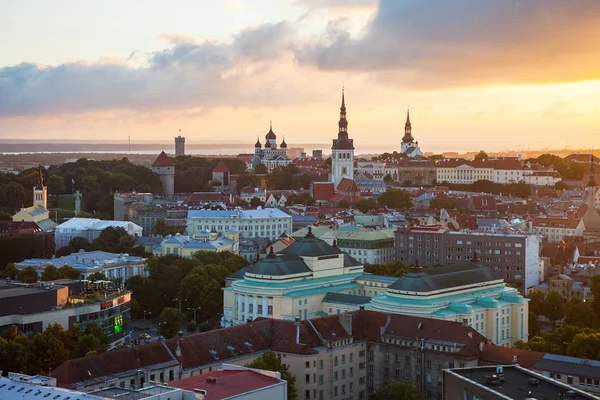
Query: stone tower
pixel 342 150
pixel 165 168
pixel 179 146
pixel 40 192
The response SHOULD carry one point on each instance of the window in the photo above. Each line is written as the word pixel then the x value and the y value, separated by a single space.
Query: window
pixel 351 372
pixel 343 374
pixel 335 361
pixel 343 359
pixel 320 379
pixel 307 364
pixel 270 310
pixel 307 378
pixel 308 394
pixel 335 376
pixel 320 364
pixel 335 391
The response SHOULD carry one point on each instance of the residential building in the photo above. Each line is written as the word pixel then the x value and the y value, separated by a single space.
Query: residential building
pixel 541 178
pixel 90 229
pixel 413 171
pixel 147 215
pixel 32 307
pixel 260 223
pixel 502 170
pixel 334 357
pixel 409 147
pixel 249 192
pixel 271 157
pixel 342 151
pixel 555 229
pixel 86 263
pixel 185 246
pixel 235 382
pixel 164 167
pixel 123 202
pixel 506 382
pixel 179 146
pixel 515 256
pixel 376 170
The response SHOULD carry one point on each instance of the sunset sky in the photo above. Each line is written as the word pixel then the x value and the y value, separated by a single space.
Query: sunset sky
pixel 477 74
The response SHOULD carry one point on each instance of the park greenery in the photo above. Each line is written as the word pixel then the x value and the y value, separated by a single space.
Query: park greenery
pixel 271 362
pixel 391 198
pixel 576 323
pixel 174 282
pixel 41 353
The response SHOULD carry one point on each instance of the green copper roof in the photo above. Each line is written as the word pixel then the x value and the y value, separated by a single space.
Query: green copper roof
pixel 310 246
pixel 343 298
pixel 279 265
pixel 440 278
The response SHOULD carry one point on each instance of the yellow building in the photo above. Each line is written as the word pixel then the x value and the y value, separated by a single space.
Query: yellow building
pixel 37 213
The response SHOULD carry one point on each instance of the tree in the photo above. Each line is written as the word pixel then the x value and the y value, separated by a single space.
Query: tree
pixel 12 196
pixel 270 362
pixel 4 216
pixel 10 272
pixel 114 240
pixel 561 185
pixel 536 302
pixel 28 275
pixel 444 202
pixel 260 169
pixel 170 322
pixel 303 198
pixel 255 202
pixel 56 184
pixel 481 156
pixel 554 306
pixel 68 272
pixel 97 276
pixel 388 178
pixel 585 345
pixel 50 273
pixel 397 391
pixel 579 313
pixel 366 205
pixel 395 198
pixel 596 293
pixel 163 229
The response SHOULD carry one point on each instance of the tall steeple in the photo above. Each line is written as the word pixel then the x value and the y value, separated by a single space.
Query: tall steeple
pixel 343 123
pixel 407 129
pixel 592 181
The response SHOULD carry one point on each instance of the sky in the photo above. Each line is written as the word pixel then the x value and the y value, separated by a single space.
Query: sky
pixel 476 74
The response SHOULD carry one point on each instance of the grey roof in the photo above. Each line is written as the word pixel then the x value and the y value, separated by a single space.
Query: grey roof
pixel 238 274
pixel 439 278
pixel 570 365
pixel 278 265
pixel 84 260
pixel 344 298
pixel 350 261
pixel 310 246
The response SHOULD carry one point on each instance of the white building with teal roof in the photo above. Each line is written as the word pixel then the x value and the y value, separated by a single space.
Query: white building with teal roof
pixel 469 292
pixel 312 278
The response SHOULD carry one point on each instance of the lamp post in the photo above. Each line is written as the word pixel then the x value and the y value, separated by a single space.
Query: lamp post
pixel 147 312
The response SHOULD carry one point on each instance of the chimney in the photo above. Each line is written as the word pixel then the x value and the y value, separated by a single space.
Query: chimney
pixel 249 320
pixel 361 308
pixel 346 322
pixel 297 323
pixel 211 379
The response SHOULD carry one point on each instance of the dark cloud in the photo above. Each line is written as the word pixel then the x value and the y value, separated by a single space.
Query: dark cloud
pixel 431 42
pixel 195 74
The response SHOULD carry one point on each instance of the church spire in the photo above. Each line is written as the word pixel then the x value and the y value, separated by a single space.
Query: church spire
pixel 343 107
pixel 408 138
pixel 592 181
pixel 407 117
pixel 343 124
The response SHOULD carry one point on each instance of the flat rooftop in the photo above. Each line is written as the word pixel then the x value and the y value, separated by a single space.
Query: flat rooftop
pixel 14 289
pixel 516 383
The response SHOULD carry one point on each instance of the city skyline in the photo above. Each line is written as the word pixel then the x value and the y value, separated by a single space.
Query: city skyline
pixel 483 75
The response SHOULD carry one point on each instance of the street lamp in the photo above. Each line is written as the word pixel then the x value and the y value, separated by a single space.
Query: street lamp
pixel 195 308
pixel 147 312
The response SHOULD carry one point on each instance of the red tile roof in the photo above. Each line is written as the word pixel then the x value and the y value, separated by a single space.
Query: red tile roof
pixel 19 227
pixel 347 186
pixel 198 198
pixel 555 222
pixel 221 167
pixel 323 191
pixel 162 160
pixel 226 384
pixel 508 355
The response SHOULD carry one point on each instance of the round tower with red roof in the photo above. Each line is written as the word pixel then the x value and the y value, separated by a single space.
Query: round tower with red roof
pixel 165 168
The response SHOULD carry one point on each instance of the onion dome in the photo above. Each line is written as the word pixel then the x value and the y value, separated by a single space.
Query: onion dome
pixel 258 143
pixel 283 144
pixel 267 145
pixel 270 135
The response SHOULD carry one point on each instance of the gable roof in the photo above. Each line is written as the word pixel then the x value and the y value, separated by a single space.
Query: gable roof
pixel 221 167
pixel 163 160
pixel 508 355
pixel 323 191
pixel 347 185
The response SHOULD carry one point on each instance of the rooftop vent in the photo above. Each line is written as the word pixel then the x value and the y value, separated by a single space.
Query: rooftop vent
pixel 211 379
pixel 214 354
pixel 419 325
pixel 534 381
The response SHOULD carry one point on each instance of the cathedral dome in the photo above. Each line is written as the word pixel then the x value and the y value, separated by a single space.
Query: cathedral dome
pixel 283 144
pixel 267 145
pixel 257 144
pixel 270 135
